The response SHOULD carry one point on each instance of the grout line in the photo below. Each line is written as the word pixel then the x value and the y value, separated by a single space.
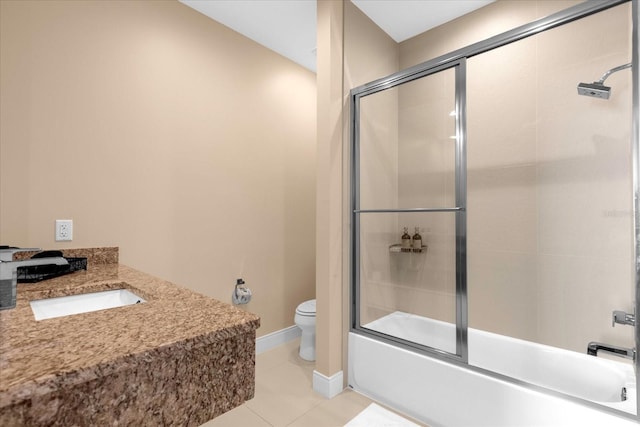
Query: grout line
pixel 305 413
pixel 260 416
pixel 278 362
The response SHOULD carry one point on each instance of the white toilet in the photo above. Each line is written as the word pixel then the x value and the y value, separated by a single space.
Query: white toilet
pixel 305 319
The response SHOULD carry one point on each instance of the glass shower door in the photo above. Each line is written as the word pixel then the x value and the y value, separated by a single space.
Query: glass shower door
pixel 408 181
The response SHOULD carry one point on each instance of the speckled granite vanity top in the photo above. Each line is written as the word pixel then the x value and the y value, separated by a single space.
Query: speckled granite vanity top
pixel 43 362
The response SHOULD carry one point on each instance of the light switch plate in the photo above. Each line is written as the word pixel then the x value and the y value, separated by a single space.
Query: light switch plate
pixel 64 230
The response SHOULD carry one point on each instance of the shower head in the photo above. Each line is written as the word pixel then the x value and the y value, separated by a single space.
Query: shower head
pixel 598 89
pixel 595 89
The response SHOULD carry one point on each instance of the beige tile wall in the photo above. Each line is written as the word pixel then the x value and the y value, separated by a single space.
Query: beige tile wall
pixel 584 183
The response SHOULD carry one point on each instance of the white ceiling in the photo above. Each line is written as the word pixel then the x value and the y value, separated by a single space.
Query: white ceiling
pixel 288 27
pixel 403 19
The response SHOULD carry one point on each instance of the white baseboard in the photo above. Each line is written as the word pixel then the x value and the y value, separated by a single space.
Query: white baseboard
pixel 328 387
pixel 274 339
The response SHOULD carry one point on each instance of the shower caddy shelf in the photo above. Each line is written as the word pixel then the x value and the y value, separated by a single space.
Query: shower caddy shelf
pixel 397 248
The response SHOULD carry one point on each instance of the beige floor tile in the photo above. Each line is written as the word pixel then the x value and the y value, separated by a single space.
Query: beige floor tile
pixel 279 355
pixel 285 397
pixel 238 417
pixel 335 412
pixel 284 393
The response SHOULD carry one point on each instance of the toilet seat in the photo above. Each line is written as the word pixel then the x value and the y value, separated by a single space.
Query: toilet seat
pixel 307 308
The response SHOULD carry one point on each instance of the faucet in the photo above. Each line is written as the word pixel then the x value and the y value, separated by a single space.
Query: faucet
pixel 627 353
pixel 9 273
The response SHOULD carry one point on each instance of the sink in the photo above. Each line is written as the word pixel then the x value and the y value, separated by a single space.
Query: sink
pixel 83 303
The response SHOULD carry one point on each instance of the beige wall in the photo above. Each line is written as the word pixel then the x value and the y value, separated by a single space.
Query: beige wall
pixel 329 193
pixel 549 196
pixel 162 132
pixel 351 51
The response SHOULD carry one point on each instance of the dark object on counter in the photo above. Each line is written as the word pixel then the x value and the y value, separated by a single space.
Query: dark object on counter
pixel 37 273
pixel 47 254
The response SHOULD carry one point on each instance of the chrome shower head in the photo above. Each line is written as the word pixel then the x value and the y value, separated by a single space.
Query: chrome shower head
pixel 598 89
pixel 595 89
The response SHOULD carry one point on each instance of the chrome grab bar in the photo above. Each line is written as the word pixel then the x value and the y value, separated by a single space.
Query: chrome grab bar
pixel 391 210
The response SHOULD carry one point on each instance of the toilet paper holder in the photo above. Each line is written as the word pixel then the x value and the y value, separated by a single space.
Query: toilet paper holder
pixel 241 294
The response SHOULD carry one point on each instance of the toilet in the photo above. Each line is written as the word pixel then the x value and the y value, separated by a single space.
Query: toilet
pixel 305 319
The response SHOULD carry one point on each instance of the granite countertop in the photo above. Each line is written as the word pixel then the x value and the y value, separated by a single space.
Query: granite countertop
pixel 39 356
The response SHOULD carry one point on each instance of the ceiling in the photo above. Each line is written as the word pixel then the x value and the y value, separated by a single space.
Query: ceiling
pixel 288 27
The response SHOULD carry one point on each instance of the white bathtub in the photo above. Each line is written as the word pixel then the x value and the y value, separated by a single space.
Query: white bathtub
pixel 444 394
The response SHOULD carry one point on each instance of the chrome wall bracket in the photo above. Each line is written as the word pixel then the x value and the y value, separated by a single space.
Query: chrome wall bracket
pixel 623 318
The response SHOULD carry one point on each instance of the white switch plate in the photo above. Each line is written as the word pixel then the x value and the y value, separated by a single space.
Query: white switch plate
pixel 64 230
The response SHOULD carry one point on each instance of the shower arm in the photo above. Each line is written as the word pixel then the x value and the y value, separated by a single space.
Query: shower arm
pixel 606 75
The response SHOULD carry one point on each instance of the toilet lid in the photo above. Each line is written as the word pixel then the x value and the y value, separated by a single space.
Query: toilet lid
pixel 307 308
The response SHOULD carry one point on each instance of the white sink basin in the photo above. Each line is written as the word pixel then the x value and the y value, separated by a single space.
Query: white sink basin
pixel 83 303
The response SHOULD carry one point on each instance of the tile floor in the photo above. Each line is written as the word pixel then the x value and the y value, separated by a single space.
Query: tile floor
pixel 285 398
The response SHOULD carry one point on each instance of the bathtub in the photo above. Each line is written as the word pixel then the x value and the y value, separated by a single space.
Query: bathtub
pixel 448 395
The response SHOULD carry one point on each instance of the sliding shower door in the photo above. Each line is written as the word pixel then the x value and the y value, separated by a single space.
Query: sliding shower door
pixel 534 226
pixel 409 182
pixel 550 225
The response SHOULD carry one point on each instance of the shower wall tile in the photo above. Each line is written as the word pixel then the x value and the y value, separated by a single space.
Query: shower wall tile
pixel 429 188
pixel 379 189
pixel 546 8
pixel 435 305
pixel 377 233
pixel 441 249
pixel 486 22
pixel 570 213
pixel 431 224
pixel 501 114
pixel 433 270
pixel 584 174
pixel 384 298
pixel 588 133
pixel 576 298
pixel 370 313
pixel 418 283
pixel 380 295
pixel 502 209
pixel 502 287
pixel 582 211
pixel 426 152
pixel 574 127
pixel 408 270
pixel 583 43
pixel 379 150
pixel 584 158
pixel 435 90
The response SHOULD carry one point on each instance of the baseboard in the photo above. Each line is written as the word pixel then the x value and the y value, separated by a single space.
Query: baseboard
pixel 328 387
pixel 274 339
